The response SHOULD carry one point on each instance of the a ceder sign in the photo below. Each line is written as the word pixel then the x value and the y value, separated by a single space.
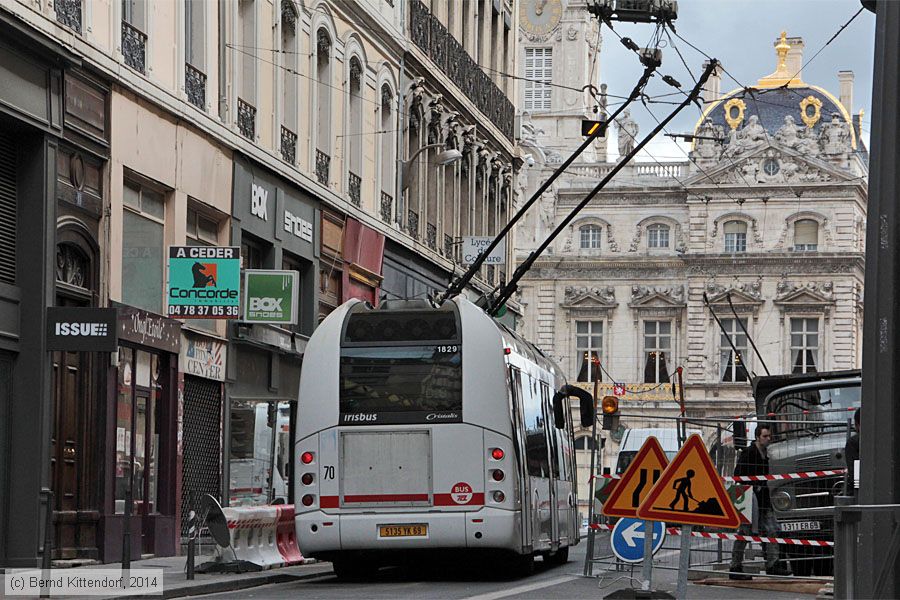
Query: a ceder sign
pixel 79 328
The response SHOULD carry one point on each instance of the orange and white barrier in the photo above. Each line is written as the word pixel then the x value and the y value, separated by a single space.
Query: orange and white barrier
pixel 286 535
pixel 771 477
pixel 735 536
pixel 253 535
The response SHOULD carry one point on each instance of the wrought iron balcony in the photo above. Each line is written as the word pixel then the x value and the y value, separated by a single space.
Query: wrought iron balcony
pixel 247 119
pixel 387 207
pixel 288 145
pixel 68 13
pixel 355 188
pixel 195 86
pixel 449 247
pixel 412 224
pixel 323 163
pixel 431 236
pixel 134 47
pixel 448 54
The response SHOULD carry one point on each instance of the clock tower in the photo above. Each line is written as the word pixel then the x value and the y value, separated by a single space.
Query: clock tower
pixel 559 44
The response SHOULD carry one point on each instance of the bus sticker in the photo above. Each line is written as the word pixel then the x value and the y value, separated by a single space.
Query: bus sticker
pixel 462 493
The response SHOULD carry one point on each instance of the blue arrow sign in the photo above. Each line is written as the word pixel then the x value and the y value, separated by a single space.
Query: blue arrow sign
pixel 627 539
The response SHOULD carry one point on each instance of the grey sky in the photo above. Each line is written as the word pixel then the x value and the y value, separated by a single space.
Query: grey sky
pixel 741 34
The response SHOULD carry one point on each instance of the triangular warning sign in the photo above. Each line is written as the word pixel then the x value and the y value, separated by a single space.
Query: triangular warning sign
pixel 636 481
pixel 690 492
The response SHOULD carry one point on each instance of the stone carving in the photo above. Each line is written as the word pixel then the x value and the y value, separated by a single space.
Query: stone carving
pixel 709 141
pixel 752 289
pixel 675 293
pixel 606 295
pixel 787 134
pixel 834 137
pixel 627 133
pixel 746 139
pixel 823 289
pixel 547 205
pixel 572 33
pixel 610 241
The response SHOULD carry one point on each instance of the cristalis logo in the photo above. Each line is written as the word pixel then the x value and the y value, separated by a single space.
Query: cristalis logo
pixel 441 416
pixel 204 274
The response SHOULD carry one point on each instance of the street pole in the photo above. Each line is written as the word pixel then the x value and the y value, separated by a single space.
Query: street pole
pixel 879 444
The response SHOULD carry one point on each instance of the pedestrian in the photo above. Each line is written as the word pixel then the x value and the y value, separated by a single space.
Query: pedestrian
pixel 851 454
pixel 754 460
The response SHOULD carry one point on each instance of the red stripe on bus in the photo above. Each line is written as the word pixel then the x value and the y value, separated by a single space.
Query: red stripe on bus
pixel 360 498
pixel 328 502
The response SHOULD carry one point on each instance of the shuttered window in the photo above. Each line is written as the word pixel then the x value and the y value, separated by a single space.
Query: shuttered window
pixel 7 209
pixel 806 235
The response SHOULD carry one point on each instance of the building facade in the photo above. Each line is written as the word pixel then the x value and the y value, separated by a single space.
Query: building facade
pixel 315 136
pixel 768 209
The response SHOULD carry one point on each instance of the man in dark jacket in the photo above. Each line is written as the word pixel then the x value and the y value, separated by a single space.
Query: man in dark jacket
pixel 755 461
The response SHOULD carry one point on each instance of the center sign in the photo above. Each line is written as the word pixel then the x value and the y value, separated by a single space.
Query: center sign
pixel 204 282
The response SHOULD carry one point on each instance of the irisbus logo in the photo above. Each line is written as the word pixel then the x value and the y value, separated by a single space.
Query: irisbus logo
pixel 441 416
pixel 359 417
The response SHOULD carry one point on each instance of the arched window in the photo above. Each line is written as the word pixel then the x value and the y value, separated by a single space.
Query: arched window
pixel 590 236
pixel 354 136
pixel 735 236
pixel 387 154
pixel 584 443
pixel 658 236
pixel 806 235
pixel 323 105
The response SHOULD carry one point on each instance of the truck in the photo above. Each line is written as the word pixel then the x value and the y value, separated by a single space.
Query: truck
pixel 810 415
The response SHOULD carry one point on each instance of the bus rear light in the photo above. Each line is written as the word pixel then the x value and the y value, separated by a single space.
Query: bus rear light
pixel 497 454
pixel 499 496
pixel 308 500
pixel 497 474
pixel 307 457
pixel 307 479
pixel 507 351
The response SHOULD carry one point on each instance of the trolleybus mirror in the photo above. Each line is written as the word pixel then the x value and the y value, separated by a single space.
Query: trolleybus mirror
pixel 585 405
pixel 559 412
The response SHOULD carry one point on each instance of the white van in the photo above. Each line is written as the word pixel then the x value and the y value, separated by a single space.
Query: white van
pixel 635 438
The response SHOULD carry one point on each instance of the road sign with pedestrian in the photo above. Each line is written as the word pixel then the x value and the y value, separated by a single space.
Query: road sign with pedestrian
pixel 690 491
pixel 637 480
pixel 627 539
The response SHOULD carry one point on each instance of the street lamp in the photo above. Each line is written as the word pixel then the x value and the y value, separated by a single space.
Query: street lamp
pixel 443 158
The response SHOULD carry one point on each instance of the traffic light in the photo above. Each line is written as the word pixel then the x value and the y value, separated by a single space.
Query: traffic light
pixel 589 128
pixel 609 406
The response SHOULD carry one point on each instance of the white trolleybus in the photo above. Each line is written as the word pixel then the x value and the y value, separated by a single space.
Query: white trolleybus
pixel 425 429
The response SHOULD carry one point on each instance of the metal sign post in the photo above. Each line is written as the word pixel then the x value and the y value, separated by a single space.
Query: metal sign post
pixel 684 562
pixel 647 570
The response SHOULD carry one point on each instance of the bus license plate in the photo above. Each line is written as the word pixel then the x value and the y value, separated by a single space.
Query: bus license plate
pixel 390 531
pixel 801 526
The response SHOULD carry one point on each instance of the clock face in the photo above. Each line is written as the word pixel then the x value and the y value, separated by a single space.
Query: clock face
pixel 540 17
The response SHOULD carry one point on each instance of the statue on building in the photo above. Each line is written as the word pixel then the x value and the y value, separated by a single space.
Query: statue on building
pixel 751 137
pixel 787 133
pixel 627 133
pixel 709 140
pixel 835 136
pixel 808 143
pixel 547 205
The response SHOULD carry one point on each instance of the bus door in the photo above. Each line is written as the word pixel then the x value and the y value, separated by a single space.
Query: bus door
pixel 552 462
pixel 528 508
pixel 537 458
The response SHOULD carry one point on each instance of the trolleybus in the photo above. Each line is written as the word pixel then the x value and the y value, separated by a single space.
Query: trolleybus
pixel 432 429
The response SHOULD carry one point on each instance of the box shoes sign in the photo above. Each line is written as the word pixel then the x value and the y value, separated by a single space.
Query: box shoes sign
pixel 204 282
pixel 270 297
pixel 77 328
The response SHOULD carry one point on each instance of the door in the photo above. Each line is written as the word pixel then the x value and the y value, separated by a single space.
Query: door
pixel 553 462
pixel 515 383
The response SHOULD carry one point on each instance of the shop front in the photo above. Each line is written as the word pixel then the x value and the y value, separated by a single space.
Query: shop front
pixel 274 223
pixel 409 276
pixel 142 441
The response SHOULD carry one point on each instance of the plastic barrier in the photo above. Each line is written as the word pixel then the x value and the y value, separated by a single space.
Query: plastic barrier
pixel 735 536
pixel 286 535
pixel 253 536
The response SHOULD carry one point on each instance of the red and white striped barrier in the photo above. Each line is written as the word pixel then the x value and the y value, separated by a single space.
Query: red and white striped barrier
pixel 735 537
pixel 286 534
pixel 772 477
pixel 254 536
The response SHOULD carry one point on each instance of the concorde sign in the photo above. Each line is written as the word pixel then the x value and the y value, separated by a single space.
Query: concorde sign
pixel 204 282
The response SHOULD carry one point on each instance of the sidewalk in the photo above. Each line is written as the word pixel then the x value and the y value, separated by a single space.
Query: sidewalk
pixel 176 584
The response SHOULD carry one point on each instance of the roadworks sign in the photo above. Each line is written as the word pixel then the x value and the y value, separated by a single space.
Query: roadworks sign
pixel 690 492
pixel 637 480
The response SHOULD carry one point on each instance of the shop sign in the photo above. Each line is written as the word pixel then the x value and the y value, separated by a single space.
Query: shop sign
pixel 203 357
pixel 79 328
pixel 148 329
pixel 270 296
pixel 204 282
pixel 473 245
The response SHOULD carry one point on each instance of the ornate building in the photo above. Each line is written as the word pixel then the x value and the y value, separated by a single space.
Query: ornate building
pixel 770 209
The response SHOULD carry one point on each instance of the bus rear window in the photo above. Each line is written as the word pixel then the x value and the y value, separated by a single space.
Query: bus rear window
pixel 401 384
pixel 394 326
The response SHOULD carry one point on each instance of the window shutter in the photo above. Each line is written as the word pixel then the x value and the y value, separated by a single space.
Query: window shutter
pixel 806 232
pixel 735 227
pixel 7 210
